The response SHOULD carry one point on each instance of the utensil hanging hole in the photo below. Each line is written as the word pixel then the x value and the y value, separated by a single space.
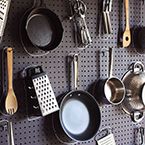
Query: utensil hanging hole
pixel 127 38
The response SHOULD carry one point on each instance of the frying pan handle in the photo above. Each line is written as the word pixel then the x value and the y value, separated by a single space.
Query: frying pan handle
pixel 137 67
pixel 75 70
pixel 137 116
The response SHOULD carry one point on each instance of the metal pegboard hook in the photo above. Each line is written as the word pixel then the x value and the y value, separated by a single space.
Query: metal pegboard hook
pixel 103 51
pixel 3 127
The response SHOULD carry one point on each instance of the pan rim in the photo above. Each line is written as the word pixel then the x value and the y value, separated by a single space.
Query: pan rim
pixel 97 108
pixel 25 39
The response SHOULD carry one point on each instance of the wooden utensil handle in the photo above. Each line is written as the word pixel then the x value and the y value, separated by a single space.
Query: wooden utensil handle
pixel 10 67
pixel 127 13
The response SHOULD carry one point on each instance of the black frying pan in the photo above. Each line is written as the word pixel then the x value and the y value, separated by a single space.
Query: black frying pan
pixel 79 117
pixel 40 28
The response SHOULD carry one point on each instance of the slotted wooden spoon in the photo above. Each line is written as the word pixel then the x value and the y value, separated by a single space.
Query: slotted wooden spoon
pixel 11 104
pixel 127 32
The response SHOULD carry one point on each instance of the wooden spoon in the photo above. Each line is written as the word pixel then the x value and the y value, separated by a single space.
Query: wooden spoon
pixel 11 103
pixel 127 33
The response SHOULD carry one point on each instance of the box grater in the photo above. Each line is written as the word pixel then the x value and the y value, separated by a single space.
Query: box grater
pixel 107 140
pixel 44 92
pixel 4 9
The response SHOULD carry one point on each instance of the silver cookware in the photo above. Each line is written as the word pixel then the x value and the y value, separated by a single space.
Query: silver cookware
pixel 134 81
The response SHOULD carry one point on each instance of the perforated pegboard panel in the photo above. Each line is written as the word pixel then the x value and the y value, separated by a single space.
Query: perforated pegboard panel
pixel 39 132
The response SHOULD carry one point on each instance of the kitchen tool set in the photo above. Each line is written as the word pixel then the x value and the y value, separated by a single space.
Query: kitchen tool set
pixel 78 14
pixel 76 117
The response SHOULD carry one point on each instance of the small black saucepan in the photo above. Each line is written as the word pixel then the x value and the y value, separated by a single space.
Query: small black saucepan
pixel 138 34
pixel 40 28
pixel 79 117
pixel 139 39
pixel 110 90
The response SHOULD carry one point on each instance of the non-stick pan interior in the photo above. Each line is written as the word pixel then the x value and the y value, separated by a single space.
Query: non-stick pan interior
pixel 39 30
pixel 80 115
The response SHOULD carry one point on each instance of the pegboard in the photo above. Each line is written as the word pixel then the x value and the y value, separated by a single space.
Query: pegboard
pixel 39 131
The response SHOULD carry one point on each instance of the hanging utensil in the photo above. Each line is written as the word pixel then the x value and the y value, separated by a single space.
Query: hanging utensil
pixel 108 139
pixel 138 33
pixel 44 92
pixel 79 117
pixel 11 104
pixel 82 33
pixel 40 29
pixel 134 102
pixel 107 8
pixel 4 10
pixel 110 90
pixel 127 33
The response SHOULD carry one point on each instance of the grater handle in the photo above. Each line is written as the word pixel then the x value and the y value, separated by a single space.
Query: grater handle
pixel 10 67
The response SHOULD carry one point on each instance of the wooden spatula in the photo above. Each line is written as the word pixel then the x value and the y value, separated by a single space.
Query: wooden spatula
pixel 11 103
pixel 127 33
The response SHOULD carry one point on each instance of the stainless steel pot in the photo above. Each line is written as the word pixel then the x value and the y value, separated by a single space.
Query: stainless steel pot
pixel 134 80
pixel 110 90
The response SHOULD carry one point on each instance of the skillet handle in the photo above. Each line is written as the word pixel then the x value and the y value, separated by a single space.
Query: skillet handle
pixel 75 70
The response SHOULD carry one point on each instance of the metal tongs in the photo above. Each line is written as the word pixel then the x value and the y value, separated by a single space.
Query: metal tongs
pixel 79 13
pixel 107 8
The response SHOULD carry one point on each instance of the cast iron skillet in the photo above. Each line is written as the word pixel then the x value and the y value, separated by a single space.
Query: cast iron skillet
pixel 79 116
pixel 40 28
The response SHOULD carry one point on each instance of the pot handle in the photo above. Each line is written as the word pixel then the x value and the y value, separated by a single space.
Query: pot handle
pixel 137 67
pixel 137 116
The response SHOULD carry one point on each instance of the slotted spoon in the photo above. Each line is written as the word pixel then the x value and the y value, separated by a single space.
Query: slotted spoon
pixel 11 104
